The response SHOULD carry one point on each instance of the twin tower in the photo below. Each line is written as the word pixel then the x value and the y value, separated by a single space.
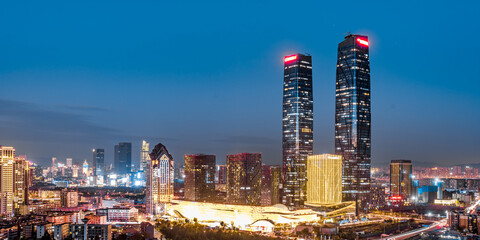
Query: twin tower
pixel 352 122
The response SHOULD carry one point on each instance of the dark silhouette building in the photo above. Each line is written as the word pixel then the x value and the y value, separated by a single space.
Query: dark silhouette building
pixel 352 118
pixel 244 178
pixel 297 127
pixel 200 178
pixel 98 162
pixel 123 158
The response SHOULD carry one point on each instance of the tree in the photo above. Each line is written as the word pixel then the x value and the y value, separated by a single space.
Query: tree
pixel 46 236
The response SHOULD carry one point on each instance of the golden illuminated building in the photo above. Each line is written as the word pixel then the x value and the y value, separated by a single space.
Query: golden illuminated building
pixel 7 157
pixel 401 179
pixel 21 182
pixel 244 216
pixel 160 174
pixel 324 179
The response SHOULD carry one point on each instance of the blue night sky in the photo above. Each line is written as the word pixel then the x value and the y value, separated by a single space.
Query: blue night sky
pixel 206 77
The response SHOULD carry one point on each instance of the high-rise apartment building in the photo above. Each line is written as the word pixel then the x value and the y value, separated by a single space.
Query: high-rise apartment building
pixel 297 127
pixel 99 165
pixel 324 184
pixel 69 198
pixel 21 182
pixel 144 155
pixel 266 185
pixel 271 182
pixel 352 118
pixel 69 162
pixel 200 178
pixel 123 158
pixel 276 179
pixel 7 158
pixel 221 174
pixel 160 175
pixel 244 178
pixel 401 183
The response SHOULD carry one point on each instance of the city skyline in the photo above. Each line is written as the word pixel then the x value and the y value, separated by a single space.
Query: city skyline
pixel 62 102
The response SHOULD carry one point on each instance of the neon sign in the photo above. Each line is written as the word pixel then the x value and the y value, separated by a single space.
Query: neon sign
pixel 290 58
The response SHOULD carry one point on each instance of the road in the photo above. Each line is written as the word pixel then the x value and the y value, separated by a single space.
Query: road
pixel 416 232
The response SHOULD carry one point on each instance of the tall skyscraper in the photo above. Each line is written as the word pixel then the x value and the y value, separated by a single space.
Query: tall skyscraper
pixel 99 165
pixel 85 168
pixel 297 127
pixel 266 185
pixel 401 183
pixel 352 118
pixel 7 158
pixel 144 151
pixel 21 182
pixel 221 174
pixel 324 185
pixel 160 175
pixel 200 178
pixel 123 158
pixel 69 162
pixel 276 179
pixel 244 178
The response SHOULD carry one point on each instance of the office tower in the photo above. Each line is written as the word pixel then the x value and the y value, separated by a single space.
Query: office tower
pixel 324 184
pixel 271 182
pixel 221 174
pixel 200 178
pixel 21 182
pixel 85 168
pixel 244 178
pixel 352 118
pixel 266 185
pixel 297 127
pixel 99 165
pixel 7 158
pixel 160 174
pixel 401 179
pixel 54 167
pixel 276 179
pixel 144 151
pixel 378 196
pixel 69 162
pixel 75 171
pixel 123 158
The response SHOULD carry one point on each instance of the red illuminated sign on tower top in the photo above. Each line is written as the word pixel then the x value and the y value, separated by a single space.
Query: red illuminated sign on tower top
pixel 362 41
pixel 290 58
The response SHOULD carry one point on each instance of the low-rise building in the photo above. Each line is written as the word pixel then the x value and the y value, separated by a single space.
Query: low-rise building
pixel 94 231
pixel 118 214
pixel 61 231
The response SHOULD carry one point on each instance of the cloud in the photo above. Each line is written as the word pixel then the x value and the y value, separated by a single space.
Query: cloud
pixel 26 121
pixel 246 140
pixel 42 133
pixel 83 108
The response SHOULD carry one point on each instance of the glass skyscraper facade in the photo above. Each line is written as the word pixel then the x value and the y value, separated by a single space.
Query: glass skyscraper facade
pixel 297 127
pixel 99 162
pixel 200 177
pixel 401 179
pixel 352 118
pixel 123 158
pixel 244 178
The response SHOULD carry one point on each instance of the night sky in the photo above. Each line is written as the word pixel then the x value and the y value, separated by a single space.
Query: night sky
pixel 206 77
